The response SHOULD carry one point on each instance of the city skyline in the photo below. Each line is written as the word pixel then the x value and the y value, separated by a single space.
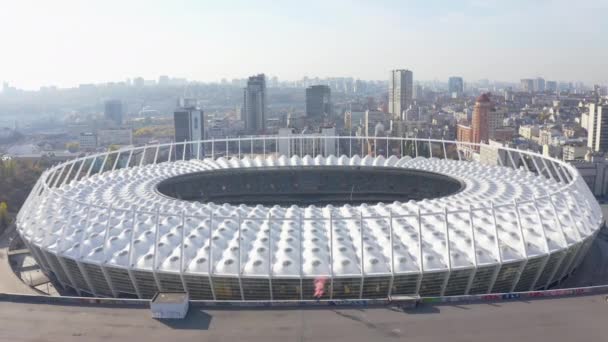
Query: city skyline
pixel 234 39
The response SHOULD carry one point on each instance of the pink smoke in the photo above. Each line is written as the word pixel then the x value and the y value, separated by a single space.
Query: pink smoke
pixel 319 287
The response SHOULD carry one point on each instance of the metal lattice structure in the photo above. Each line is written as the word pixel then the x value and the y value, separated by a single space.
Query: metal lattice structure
pixel 99 225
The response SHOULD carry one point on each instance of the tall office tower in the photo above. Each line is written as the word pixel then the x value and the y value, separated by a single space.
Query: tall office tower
pixel 400 92
pixel 481 119
pixel 189 121
pixel 113 111
pixel 254 104
pixel 455 86
pixel 551 86
pixel 527 85
pixel 539 84
pixel 318 101
pixel 597 128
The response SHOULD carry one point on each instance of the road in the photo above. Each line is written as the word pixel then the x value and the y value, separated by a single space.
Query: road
pixel 557 319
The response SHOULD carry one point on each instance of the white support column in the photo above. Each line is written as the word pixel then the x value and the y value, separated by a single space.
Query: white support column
pixel 362 253
pixel 270 256
pixel 156 236
pixel 511 159
pixel 448 252
pixel 523 242
pixel 548 170
pixel 391 238
pixel 474 250
pixel 338 147
pixel 300 255
pixel 494 276
pixel 331 244
pixel 537 167
pixel 430 148
pixel 168 158
pixel 60 173
pixel 540 271
pixel 155 154
pixel 559 174
pixel 67 177
pixel 78 173
pixel 523 160
pixel 91 166
pixel 143 156
pixel 239 257
pixel 497 246
pixel 198 150
pixel 518 276
pixel 103 164
pixel 210 256
pixel 105 246
pixel 181 253
pixel 350 147
pixel 415 141
pixel 130 258
pixel 445 153
pixel 362 142
pixel 85 275
pixel 420 252
pixel 116 161
pixel 239 146
pixel 544 234
pixel 386 151
pixel 129 159
pixel 60 257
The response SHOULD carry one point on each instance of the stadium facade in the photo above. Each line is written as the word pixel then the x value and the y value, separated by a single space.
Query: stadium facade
pixel 410 217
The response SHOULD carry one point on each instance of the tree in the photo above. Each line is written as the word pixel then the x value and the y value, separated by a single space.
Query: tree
pixel 4 219
pixel 72 146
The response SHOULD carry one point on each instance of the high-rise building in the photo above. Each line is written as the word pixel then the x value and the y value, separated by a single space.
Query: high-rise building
pixel 400 92
pixel 455 86
pixel 527 85
pixel 481 119
pixel 318 101
pixel 254 104
pixel 551 86
pixel 597 128
pixel 189 124
pixel 113 111
pixel 539 84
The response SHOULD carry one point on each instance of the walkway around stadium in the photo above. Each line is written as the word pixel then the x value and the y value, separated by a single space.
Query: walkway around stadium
pixel 558 319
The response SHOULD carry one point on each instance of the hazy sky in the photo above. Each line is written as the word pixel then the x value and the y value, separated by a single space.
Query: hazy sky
pixel 67 42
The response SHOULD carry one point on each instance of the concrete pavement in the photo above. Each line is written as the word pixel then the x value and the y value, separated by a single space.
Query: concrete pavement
pixel 557 319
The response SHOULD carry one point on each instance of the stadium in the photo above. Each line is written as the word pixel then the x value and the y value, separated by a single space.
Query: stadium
pixel 309 217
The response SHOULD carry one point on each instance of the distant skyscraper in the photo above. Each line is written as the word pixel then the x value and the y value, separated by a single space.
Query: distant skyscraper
pixel 400 92
pixel 527 85
pixel 189 124
pixel 539 84
pixel 254 104
pixel 113 111
pixel 551 86
pixel 163 81
pixel 455 86
pixel 481 119
pixel 597 128
pixel 318 101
